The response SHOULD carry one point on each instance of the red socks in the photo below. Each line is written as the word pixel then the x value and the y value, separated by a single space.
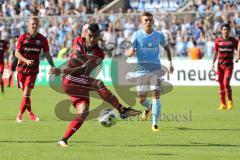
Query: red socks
pixel 223 96
pixel 109 97
pixel 25 104
pixel 74 126
pixel 229 94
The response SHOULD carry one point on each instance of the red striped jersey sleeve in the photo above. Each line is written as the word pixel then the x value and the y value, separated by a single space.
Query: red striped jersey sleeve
pixel 19 43
pixel 216 45
pixel 45 45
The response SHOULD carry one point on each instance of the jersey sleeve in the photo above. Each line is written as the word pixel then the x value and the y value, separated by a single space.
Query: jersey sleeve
pixel 163 41
pixel 45 45
pixel 134 40
pixel 98 58
pixel 216 45
pixel 19 43
pixel 235 43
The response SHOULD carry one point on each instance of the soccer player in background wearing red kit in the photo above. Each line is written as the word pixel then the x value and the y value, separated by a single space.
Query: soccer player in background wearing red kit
pixel 3 50
pixel 29 47
pixel 77 82
pixel 225 46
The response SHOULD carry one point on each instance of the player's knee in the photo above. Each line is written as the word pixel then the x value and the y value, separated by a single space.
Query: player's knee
pixel 82 115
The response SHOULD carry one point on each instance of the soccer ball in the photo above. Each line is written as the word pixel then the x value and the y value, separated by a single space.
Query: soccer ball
pixel 107 117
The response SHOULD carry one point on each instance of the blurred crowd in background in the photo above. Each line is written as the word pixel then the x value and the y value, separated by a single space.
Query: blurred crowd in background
pixel 196 25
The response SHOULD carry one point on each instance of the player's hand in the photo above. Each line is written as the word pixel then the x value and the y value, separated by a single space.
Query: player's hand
pixel 54 70
pixel 213 68
pixel 237 59
pixel 30 62
pixel 171 69
pixel 131 52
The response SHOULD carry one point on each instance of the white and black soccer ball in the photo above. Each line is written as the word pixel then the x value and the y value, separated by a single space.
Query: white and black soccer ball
pixel 107 117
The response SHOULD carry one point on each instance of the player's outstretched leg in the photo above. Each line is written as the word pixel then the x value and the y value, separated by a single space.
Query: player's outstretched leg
pixel 107 96
pixel 126 112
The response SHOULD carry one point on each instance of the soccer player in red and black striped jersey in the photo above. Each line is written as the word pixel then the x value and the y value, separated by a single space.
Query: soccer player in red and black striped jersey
pixel 29 47
pixel 3 50
pixel 224 51
pixel 85 56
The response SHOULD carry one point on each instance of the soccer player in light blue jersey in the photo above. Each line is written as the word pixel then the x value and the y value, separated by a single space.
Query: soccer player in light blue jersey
pixel 145 46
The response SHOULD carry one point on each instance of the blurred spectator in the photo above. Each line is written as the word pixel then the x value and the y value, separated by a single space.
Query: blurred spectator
pixel 201 43
pixel 110 39
pixel 194 52
pixel 200 24
pixel 181 45
pixel 63 52
pixel 209 47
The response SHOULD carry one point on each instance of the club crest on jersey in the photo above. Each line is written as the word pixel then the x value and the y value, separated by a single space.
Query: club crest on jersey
pixel 38 42
pixel 149 44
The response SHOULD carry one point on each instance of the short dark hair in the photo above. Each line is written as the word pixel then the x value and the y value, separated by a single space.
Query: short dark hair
pixel 148 14
pixel 94 28
pixel 226 25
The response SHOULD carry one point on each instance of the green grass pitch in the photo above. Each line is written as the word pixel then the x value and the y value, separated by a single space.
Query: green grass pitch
pixel 199 132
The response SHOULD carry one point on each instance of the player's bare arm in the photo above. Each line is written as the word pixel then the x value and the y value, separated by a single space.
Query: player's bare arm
pixel 19 56
pixel 238 53
pixel 49 59
pixel 169 56
pixel 84 69
pixel 131 52
pixel 215 55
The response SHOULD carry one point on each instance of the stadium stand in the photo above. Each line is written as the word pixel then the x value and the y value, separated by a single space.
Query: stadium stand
pixel 61 20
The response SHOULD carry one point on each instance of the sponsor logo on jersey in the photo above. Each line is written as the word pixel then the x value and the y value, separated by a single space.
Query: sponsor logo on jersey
pixel 32 49
pixel 149 44
pixel 225 49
